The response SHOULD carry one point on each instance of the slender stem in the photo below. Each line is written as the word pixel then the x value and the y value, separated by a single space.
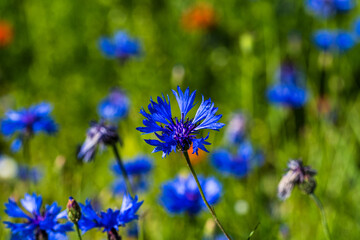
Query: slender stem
pixel 123 170
pixel 78 231
pixel 323 217
pixel 203 195
pixel 26 149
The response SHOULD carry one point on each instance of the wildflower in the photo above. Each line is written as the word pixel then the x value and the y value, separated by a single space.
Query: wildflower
pixel 110 220
pixel 235 131
pixel 327 8
pixel 182 195
pixel 334 40
pixel 121 46
pixel 178 134
pixel 356 29
pixel 239 164
pixel 28 122
pixel 6 33
pixel 296 174
pixel 196 158
pixel 99 134
pixel 138 170
pixel 115 106
pixel 198 17
pixel 8 167
pixel 288 91
pixel 27 173
pixel 37 224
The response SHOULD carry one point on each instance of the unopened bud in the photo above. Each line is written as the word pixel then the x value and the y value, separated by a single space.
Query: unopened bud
pixel 73 210
pixel 308 185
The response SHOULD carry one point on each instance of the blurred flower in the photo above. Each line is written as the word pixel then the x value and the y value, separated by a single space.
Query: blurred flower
pixel 178 134
pixel 115 106
pixel 28 122
pixel 110 220
pixel 199 17
pixel 6 33
pixel 357 28
pixel 29 174
pixel 239 164
pixel 121 46
pixel 296 174
pixel 327 8
pixel 138 170
pixel 38 224
pixel 196 158
pixel 235 131
pixel 8 167
pixel 99 134
pixel 334 40
pixel 287 91
pixel 182 195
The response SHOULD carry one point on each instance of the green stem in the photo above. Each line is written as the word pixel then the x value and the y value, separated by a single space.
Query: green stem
pixel 123 170
pixel 203 195
pixel 323 217
pixel 78 231
pixel 26 149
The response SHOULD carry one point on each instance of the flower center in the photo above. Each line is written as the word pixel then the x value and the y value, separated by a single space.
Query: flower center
pixel 183 133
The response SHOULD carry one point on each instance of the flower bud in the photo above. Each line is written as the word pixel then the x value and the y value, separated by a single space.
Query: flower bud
pixel 73 210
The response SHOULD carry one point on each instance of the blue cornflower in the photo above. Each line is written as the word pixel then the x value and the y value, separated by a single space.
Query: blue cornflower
pixel 178 134
pixel 356 29
pixel 110 220
pixel 37 223
pixel 182 194
pixel 28 122
pixel 27 173
pixel 99 134
pixel 121 46
pixel 239 164
pixel 327 8
pixel 235 131
pixel 334 40
pixel 115 106
pixel 137 170
pixel 288 91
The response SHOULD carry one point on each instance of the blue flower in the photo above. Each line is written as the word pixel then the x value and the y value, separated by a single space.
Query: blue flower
pixel 121 46
pixel 28 122
pixel 356 29
pixel 344 40
pixel 137 170
pixel 235 131
pixel 36 222
pixel 27 173
pixel 334 40
pixel 99 134
pixel 239 164
pixel 182 194
pixel 110 220
pixel 327 8
pixel 115 106
pixel 178 134
pixel 288 91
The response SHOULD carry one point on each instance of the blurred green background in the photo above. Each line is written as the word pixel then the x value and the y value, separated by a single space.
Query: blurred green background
pixel 54 57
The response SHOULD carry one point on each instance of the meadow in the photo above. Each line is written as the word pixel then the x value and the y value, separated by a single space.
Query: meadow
pixel 283 74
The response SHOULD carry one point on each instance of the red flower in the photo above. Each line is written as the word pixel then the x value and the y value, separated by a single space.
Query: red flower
pixel 200 16
pixel 6 33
